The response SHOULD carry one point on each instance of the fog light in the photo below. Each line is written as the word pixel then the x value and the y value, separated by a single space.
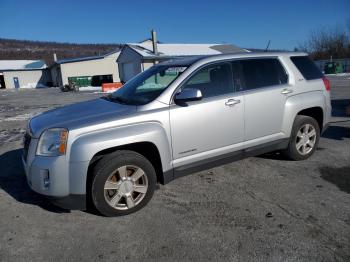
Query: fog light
pixel 45 178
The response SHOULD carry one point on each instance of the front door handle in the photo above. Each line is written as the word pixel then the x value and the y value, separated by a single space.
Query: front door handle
pixel 232 102
pixel 287 91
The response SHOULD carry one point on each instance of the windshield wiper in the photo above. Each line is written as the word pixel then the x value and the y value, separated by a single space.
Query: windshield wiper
pixel 117 99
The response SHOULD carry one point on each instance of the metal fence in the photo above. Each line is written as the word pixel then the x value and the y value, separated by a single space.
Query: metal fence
pixel 344 63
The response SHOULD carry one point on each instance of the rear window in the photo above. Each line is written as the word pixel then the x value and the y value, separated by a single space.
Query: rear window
pixel 306 67
pixel 258 73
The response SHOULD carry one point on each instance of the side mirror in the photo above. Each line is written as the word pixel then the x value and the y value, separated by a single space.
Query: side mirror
pixel 187 95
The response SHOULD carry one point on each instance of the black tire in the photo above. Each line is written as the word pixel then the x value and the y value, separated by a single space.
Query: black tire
pixel 107 165
pixel 292 152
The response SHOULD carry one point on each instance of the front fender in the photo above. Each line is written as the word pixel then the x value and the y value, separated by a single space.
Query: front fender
pixel 299 102
pixel 87 145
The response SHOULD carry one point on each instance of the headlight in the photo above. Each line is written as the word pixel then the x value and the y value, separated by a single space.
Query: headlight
pixel 53 142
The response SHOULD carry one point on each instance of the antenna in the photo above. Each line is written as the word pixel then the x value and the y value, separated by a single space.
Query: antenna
pixel 268 45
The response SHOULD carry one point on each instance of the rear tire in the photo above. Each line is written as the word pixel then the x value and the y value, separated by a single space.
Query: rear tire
pixel 304 138
pixel 123 182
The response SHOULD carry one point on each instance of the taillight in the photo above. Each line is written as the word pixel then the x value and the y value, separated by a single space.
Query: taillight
pixel 327 84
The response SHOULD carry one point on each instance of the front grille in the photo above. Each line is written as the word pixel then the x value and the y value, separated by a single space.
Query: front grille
pixel 26 143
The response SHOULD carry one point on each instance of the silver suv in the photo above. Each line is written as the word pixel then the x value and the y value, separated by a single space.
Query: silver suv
pixel 176 118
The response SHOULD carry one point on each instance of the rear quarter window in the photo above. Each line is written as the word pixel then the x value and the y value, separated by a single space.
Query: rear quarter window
pixel 306 67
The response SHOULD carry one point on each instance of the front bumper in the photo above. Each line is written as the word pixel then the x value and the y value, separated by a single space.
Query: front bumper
pixel 61 181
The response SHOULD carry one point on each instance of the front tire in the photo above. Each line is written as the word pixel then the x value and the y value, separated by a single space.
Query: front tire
pixel 123 182
pixel 304 138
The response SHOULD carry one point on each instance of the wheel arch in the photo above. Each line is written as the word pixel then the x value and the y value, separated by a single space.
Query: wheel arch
pixel 311 104
pixel 314 112
pixel 147 149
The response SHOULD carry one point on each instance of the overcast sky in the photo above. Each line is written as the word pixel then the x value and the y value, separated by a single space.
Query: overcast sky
pixel 244 23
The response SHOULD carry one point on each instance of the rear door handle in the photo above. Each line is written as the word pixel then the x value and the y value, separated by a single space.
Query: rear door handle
pixel 287 91
pixel 232 102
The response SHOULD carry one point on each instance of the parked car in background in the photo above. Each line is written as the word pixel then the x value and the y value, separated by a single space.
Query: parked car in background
pixel 176 118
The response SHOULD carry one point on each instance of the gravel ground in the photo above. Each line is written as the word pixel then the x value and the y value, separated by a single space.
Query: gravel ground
pixel 258 209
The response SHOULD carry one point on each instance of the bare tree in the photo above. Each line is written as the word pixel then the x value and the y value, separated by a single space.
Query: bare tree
pixel 327 42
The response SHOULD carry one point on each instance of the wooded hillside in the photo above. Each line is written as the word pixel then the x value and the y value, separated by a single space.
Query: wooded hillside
pixel 11 49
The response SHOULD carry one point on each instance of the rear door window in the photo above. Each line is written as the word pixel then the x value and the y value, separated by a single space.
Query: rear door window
pixel 258 73
pixel 306 67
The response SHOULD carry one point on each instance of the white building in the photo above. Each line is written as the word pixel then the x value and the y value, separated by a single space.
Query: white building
pixel 24 74
pixel 86 71
pixel 137 57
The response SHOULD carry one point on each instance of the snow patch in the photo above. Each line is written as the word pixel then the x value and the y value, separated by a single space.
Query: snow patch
pixel 21 117
pixel 340 74
pixel 33 85
pixel 90 88
pixel 104 92
pixel 7 136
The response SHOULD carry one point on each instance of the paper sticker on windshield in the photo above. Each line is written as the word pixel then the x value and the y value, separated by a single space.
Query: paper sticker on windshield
pixel 176 69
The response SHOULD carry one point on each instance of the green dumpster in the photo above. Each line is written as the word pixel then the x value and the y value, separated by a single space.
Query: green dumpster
pixel 80 81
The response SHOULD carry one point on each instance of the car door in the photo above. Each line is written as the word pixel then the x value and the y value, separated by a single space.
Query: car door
pixel 264 83
pixel 212 126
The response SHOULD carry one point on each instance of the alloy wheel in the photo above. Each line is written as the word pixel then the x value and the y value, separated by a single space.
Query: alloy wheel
pixel 125 187
pixel 306 139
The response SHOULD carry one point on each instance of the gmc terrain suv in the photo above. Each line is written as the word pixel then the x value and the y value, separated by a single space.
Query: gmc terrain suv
pixel 176 118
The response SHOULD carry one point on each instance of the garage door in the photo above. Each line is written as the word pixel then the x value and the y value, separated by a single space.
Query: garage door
pixel 130 70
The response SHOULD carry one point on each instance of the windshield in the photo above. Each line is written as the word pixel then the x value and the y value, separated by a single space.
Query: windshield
pixel 148 85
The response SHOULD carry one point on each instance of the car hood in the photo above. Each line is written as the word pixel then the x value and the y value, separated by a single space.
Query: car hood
pixel 79 115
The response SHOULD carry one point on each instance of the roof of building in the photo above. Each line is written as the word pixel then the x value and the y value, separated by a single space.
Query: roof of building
pixel 7 65
pixel 145 49
pixel 87 58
